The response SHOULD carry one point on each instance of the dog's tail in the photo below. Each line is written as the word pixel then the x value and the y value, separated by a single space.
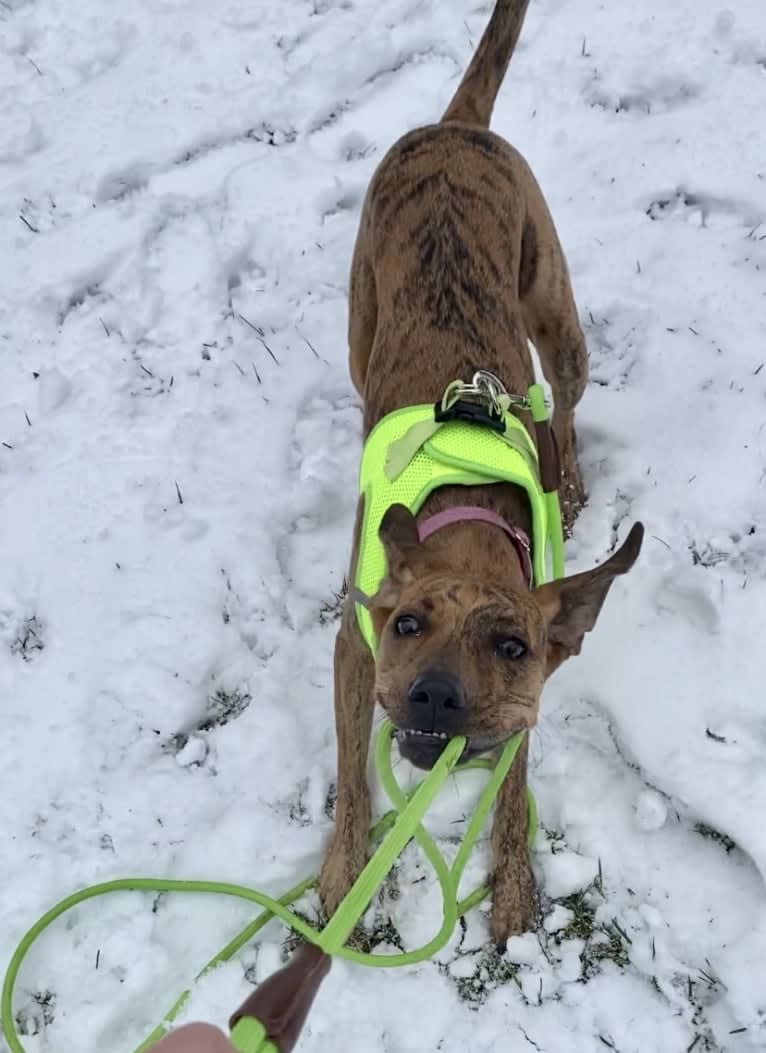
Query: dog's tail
pixel 475 97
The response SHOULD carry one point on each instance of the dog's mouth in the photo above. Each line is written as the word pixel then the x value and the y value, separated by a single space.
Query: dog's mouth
pixel 423 748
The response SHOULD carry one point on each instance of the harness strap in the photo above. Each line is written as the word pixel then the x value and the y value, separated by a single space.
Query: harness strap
pixel 472 513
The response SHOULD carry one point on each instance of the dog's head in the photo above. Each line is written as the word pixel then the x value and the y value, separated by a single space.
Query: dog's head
pixel 458 656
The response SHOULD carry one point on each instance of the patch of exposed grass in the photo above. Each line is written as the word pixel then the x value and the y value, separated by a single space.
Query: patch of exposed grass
pixel 34 1018
pixel 492 970
pixel 224 706
pixel 331 610
pixel 296 809
pixel 330 800
pixel 603 941
pixel 715 835
pixel 701 992
pixel 294 939
pixel 556 838
pixel 29 639
pixel 383 931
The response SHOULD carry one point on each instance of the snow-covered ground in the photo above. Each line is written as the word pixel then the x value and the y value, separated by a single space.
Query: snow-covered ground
pixel 180 190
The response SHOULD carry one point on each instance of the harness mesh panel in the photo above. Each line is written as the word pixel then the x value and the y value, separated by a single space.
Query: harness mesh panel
pixel 457 454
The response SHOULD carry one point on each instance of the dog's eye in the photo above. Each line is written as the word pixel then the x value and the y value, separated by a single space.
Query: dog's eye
pixel 510 647
pixel 408 625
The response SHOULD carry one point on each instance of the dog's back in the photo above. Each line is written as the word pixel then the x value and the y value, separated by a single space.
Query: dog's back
pixel 447 246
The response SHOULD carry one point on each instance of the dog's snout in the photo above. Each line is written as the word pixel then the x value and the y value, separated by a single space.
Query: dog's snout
pixel 436 702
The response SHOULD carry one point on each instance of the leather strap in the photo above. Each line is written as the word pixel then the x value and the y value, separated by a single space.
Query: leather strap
pixel 472 513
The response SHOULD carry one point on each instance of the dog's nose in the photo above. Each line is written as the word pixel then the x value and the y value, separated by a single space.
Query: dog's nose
pixel 436 703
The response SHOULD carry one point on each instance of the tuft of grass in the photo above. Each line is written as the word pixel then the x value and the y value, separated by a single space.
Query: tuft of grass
pixel 556 838
pixel 492 970
pixel 294 939
pixel 715 835
pixel 390 889
pixel 383 931
pixel 223 706
pixel 33 1019
pixel 331 610
pixel 297 810
pixel 29 640
pixel 330 800
pixel 603 941
pixel 701 993
pixel 366 940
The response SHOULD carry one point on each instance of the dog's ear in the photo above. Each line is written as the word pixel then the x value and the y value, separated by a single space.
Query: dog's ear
pixel 399 534
pixel 571 606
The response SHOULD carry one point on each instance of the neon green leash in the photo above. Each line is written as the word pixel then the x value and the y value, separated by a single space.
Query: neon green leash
pixel 536 469
pixel 396 828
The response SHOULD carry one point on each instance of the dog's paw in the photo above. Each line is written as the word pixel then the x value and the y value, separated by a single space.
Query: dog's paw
pixel 514 903
pixel 571 488
pixel 342 866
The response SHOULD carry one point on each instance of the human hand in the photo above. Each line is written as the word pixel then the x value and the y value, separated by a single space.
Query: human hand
pixel 194 1038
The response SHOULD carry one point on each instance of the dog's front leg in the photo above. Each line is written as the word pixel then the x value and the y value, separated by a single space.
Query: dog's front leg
pixel 514 904
pixel 354 704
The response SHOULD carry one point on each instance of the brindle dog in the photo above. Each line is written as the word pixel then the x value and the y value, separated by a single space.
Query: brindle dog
pixel 456 265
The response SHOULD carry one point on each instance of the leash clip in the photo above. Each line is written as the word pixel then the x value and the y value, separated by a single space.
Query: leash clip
pixel 484 401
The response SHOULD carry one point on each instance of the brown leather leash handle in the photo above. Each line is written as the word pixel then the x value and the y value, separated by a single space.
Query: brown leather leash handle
pixel 282 1002
pixel 548 456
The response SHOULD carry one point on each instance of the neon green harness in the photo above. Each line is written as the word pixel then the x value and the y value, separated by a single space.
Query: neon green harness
pixel 407 456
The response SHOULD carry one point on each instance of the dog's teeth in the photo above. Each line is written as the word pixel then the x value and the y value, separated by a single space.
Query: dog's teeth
pixel 411 732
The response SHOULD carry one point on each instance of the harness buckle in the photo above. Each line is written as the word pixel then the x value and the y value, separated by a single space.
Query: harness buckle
pixel 471 412
pixel 481 401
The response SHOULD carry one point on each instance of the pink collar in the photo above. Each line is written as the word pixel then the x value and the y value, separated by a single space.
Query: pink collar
pixel 467 513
